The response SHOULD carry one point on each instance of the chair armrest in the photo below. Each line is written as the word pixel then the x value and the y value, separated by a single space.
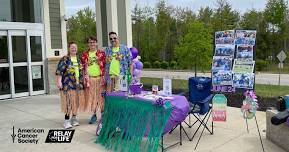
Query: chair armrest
pixel 181 94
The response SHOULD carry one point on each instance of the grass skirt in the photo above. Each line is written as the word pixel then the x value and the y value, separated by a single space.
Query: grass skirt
pixel 70 101
pixel 93 98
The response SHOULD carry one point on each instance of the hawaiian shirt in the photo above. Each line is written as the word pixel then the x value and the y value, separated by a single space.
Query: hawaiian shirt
pixel 66 70
pixel 124 56
pixel 100 60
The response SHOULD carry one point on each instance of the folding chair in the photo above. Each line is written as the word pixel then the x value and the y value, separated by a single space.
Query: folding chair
pixel 199 100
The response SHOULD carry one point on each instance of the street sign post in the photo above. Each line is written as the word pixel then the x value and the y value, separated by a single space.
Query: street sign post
pixel 281 56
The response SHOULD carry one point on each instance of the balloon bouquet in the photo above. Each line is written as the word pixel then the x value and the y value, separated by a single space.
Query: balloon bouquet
pixel 135 85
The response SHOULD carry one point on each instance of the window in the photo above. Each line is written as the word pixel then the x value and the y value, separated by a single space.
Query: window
pixel 21 11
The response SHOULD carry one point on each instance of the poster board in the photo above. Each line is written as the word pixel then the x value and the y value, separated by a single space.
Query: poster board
pixel 233 66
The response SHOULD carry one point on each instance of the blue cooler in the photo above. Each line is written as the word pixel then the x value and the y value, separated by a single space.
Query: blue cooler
pixel 286 98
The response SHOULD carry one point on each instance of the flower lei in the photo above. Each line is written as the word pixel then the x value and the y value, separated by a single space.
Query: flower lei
pixel 92 60
pixel 117 56
pixel 99 59
pixel 250 105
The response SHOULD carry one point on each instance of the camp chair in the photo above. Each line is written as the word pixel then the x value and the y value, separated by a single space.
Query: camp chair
pixel 199 99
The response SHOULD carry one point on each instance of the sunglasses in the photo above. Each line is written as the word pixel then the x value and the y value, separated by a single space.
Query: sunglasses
pixel 114 38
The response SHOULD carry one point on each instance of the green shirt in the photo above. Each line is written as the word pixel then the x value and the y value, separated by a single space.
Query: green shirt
pixel 93 67
pixel 75 67
pixel 115 64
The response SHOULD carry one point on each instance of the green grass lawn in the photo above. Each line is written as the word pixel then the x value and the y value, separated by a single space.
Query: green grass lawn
pixel 261 89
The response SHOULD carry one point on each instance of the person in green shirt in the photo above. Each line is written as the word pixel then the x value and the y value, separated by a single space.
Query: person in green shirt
pixel 93 61
pixel 70 83
pixel 118 62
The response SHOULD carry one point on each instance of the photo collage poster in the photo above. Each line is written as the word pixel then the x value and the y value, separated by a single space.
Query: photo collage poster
pixel 233 62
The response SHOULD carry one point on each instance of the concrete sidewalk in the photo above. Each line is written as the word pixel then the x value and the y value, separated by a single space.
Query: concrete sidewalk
pixel 44 112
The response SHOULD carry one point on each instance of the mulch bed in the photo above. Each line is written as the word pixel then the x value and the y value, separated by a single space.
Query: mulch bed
pixel 234 100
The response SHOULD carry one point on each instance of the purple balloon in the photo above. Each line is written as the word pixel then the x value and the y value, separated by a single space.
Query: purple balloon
pixel 139 65
pixel 134 52
pixel 135 60
pixel 133 65
pixel 136 73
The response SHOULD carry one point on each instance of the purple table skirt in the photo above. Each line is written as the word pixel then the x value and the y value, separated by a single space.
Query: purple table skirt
pixel 179 112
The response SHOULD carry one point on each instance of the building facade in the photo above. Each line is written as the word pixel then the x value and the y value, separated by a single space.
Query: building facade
pixel 33 38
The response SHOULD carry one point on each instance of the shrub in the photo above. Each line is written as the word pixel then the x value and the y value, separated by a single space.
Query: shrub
pixel 261 64
pixel 164 64
pixel 157 64
pixel 147 64
pixel 173 64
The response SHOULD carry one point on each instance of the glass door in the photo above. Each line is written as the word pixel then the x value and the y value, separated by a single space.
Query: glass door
pixel 21 63
pixel 18 49
pixel 36 62
pixel 5 89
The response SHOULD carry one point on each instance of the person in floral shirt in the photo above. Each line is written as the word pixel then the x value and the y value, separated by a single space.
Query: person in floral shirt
pixel 93 61
pixel 118 62
pixel 70 84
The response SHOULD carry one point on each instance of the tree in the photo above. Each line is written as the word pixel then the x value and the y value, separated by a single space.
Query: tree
pixel 277 24
pixel 163 29
pixel 224 18
pixel 81 26
pixel 253 19
pixel 205 15
pixel 195 48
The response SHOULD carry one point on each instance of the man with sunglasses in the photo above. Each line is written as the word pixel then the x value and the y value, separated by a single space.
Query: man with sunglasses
pixel 118 62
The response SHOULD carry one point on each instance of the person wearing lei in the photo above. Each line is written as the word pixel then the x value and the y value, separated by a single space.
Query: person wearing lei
pixel 93 62
pixel 70 83
pixel 118 62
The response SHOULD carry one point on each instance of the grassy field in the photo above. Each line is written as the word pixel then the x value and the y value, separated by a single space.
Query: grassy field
pixel 261 89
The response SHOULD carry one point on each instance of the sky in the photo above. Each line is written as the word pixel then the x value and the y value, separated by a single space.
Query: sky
pixel 72 6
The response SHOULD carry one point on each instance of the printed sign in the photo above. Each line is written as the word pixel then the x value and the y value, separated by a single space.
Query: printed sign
pixel 219 110
pixel 167 87
pixel 122 83
pixel 224 37
pixel 245 52
pixel 227 89
pixel 222 78
pixel 243 66
pixel 224 50
pixel 245 37
pixel 243 80
pixel 222 63
pixel 36 72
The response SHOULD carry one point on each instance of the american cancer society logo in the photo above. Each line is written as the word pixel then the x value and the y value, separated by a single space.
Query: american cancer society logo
pixel 26 135
pixel 59 136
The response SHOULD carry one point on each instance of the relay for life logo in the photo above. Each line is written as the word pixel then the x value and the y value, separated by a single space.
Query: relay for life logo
pixel 59 136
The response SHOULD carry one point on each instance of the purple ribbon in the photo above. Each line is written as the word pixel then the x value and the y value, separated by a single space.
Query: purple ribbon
pixel 160 102
pixel 250 94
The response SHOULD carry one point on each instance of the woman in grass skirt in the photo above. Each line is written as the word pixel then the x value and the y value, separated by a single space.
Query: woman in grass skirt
pixel 70 83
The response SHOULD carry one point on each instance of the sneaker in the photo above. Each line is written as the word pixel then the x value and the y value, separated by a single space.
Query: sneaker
pixel 67 124
pixel 93 119
pixel 74 121
pixel 98 129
